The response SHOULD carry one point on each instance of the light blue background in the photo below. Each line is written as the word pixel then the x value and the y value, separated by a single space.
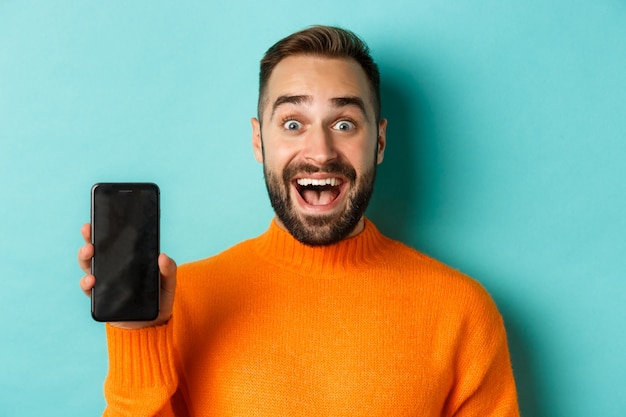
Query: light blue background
pixel 506 159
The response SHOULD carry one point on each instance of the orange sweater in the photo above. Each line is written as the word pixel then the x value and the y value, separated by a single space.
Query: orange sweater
pixel 270 327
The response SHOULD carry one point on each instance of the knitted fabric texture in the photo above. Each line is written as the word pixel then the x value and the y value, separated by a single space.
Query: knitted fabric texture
pixel 272 327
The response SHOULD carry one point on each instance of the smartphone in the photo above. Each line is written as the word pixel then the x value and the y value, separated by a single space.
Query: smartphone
pixel 125 221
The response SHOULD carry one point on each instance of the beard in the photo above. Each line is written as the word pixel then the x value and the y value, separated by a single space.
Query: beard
pixel 325 229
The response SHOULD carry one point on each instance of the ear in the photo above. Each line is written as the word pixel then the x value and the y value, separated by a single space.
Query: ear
pixel 257 144
pixel 382 140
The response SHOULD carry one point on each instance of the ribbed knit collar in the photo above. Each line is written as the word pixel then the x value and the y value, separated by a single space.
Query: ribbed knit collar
pixel 363 250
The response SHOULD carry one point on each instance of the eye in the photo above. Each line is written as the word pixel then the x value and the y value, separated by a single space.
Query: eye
pixel 344 126
pixel 292 125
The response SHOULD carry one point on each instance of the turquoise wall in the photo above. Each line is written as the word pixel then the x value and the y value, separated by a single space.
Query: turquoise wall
pixel 506 159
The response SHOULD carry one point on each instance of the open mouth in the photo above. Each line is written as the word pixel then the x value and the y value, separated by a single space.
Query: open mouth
pixel 319 191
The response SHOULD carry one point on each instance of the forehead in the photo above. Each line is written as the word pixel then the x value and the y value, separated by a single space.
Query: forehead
pixel 321 78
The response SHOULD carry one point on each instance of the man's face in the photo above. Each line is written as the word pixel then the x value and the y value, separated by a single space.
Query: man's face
pixel 319 143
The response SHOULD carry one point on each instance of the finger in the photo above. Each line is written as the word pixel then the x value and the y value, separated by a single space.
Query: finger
pixel 85 253
pixel 87 283
pixel 168 268
pixel 85 231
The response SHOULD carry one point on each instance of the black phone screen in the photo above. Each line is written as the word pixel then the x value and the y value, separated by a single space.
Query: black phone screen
pixel 125 235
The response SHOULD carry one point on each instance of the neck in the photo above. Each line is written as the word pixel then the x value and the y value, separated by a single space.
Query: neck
pixel 365 247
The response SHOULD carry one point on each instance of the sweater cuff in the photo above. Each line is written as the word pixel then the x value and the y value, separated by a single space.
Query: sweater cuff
pixel 140 358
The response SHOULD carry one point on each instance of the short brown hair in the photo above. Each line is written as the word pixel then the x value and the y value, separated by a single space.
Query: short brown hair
pixel 325 41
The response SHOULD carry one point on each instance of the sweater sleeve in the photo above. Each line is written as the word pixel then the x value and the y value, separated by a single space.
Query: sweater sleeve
pixel 484 384
pixel 142 375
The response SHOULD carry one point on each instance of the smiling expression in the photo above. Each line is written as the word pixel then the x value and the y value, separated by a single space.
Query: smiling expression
pixel 319 142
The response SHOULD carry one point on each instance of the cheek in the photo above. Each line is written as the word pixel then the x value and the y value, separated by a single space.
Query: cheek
pixel 361 157
pixel 278 154
pixel 277 159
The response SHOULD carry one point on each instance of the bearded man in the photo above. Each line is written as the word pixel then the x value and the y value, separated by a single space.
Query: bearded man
pixel 321 315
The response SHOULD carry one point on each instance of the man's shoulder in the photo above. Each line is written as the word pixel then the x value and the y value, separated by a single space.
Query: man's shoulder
pixel 432 274
pixel 236 252
pixel 410 257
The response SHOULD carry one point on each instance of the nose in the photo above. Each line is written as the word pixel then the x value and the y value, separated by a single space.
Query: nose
pixel 319 146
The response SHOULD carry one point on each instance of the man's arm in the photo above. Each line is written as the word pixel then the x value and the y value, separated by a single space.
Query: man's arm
pixel 484 384
pixel 142 375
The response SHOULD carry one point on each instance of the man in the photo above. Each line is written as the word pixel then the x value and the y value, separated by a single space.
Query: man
pixel 320 315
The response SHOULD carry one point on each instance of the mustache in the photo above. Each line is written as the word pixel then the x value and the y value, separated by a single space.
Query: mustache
pixel 338 168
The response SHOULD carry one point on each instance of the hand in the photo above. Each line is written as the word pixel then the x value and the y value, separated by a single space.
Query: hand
pixel 167 267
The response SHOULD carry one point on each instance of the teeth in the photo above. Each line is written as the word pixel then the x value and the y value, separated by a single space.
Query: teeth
pixel 320 182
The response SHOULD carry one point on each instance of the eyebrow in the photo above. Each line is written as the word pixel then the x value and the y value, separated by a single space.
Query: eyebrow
pixel 290 100
pixel 350 101
pixel 337 102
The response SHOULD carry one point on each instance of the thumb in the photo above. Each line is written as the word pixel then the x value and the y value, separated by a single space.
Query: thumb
pixel 168 268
